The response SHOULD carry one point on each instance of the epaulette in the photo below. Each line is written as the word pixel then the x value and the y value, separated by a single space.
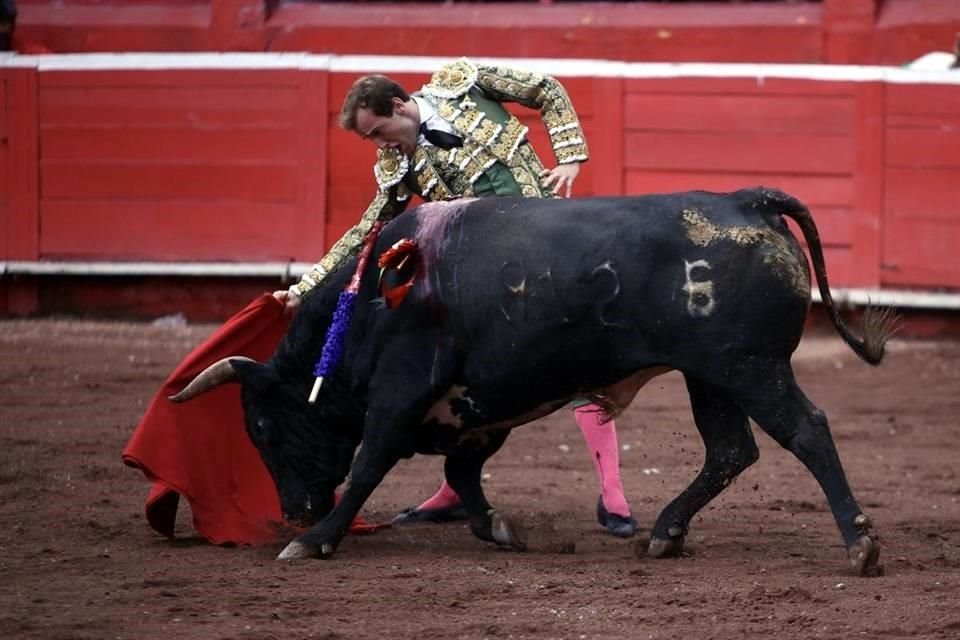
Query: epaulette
pixel 452 80
pixel 390 168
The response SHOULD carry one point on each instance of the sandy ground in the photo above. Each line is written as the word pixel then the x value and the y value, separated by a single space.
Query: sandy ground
pixel 765 559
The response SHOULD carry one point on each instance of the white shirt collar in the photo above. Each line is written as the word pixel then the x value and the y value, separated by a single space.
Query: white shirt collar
pixel 430 117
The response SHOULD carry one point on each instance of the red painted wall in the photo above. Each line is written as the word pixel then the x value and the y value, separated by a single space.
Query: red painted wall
pixel 922 172
pixel 19 205
pixel 197 165
pixel 832 31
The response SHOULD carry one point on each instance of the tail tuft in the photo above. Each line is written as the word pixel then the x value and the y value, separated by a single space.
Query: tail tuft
pixel 878 325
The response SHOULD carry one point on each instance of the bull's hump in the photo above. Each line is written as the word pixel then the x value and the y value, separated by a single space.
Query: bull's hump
pixel 433 219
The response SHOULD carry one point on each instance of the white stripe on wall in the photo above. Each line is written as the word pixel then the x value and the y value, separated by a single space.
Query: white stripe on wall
pixel 420 64
pixel 288 271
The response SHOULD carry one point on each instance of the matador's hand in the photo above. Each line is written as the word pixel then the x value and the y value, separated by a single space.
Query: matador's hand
pixel 290 300
pixel 561 178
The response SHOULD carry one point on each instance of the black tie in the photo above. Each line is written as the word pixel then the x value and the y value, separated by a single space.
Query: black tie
pixel 440 138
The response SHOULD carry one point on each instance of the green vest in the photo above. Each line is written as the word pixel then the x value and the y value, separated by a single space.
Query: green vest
pixel 497 179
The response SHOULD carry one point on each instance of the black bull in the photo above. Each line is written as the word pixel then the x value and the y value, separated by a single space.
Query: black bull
pixel 523 305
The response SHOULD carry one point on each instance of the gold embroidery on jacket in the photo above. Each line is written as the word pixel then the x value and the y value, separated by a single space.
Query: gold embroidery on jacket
pixel 460 167
pixel 428 180
pixel 447 109
pixel 390 168
pixel 526 171
pixel 513 133
pixel 452 80
pixel 501 140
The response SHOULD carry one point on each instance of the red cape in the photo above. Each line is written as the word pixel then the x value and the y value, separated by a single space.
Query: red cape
pixel 200 449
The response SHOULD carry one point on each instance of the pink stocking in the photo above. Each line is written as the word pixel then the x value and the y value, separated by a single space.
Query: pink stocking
pixel 443 498
pixel 602 443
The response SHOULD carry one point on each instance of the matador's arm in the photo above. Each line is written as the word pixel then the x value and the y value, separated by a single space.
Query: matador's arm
pixel 391 199
pixel 545 93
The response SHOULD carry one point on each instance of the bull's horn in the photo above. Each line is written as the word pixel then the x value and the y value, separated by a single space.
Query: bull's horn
pixel 215 375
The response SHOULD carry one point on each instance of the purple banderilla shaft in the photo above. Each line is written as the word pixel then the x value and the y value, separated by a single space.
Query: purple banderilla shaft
pixel 333 345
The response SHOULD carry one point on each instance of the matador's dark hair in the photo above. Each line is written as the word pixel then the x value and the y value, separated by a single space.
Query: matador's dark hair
pixel 373 92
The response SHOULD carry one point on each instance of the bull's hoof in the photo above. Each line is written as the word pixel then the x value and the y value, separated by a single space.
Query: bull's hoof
pixel 507 533
pixel 664 547
pixel 298 550
pixel 863 555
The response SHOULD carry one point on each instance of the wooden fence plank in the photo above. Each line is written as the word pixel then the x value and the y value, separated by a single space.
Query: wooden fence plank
pixel 740 152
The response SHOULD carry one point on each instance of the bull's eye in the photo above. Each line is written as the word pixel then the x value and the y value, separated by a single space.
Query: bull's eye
pixel 262 429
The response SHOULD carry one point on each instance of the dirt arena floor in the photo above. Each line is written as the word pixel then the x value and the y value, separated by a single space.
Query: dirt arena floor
pixel 78 560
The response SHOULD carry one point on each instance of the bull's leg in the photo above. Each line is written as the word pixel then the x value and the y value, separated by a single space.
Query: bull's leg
pixel 406 382
pixel 463 470
pixel 730 448
pixel 778 405
pixel 372 463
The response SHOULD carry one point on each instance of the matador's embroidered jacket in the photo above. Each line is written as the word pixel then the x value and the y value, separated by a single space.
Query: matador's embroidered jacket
pixel 495 159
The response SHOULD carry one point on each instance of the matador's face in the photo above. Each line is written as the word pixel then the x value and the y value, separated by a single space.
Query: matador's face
pixel 399 130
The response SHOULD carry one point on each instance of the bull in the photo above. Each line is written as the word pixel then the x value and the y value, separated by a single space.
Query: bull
pixel 518 307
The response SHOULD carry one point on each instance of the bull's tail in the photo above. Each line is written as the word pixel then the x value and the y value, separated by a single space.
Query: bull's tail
pixel 878 323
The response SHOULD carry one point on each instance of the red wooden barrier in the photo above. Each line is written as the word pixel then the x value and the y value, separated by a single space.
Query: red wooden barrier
pixel 832 31
pixel 182 165
pixel 922 162
pixel 19 210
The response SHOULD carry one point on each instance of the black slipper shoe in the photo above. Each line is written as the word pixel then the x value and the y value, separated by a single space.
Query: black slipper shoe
pixel 445 514
pixel 615 524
